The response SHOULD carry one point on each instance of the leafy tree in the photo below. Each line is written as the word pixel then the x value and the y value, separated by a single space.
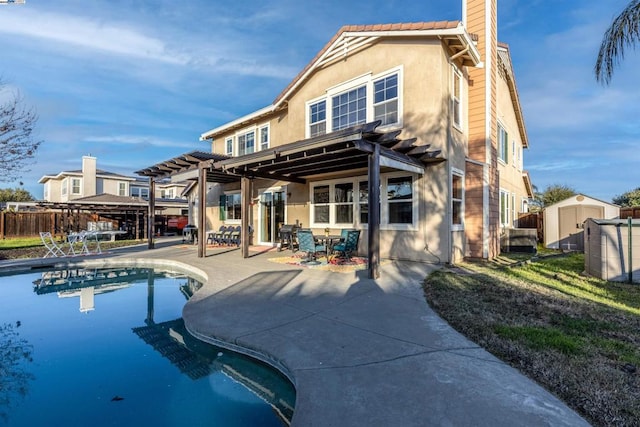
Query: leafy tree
pixel 17 145
pixel 15 356
pixel 556 193
pixel 630 198
pixel 15 195
pixel 623 32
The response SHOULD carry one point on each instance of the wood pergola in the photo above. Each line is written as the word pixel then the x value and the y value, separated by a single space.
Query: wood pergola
pixel 102 204
pixel 360 147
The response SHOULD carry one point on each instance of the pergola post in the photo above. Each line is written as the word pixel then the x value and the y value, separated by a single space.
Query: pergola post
pixel 245 210
pixel 152 213
pixel 374 213
pixel 202 211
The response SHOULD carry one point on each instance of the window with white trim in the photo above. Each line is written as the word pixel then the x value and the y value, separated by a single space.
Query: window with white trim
pixel 349 108
pixel 456 97
pixel 142 192
pixel 503 144
pixel 334 204
pixel 233 206
pixel 246 143
pixel 75 186
pixel 363 201
pixel 399 193
pixel 513 208
pixel 122 189
pixel 321 205
pixel 362 99
pixel 264 137
pixel 457 199
pixel 504 208
pixel 228 143
pixel 318 118
pixel 63 187
pixel 385 100
pixel 343 203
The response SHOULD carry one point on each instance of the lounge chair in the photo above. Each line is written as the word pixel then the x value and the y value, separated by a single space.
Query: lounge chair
pixel 53 249
pixel 349 245
pixel 307 243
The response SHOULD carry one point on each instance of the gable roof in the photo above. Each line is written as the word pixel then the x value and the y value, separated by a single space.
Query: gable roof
pixel 353 38
pixel 504 61
pixel 99 174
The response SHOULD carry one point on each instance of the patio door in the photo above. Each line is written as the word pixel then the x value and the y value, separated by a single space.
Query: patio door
pixel 271 215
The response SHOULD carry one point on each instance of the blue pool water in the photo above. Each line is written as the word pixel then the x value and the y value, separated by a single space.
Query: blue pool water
pixel 109 348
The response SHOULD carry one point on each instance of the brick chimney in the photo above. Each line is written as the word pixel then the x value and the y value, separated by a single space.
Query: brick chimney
pixel 89 176
pixel 482 207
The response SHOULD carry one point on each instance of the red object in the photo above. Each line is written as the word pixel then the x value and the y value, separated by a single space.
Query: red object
pixel 178 222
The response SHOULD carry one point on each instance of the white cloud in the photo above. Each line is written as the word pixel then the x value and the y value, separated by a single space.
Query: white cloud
pixel 117 39
pixel 140 140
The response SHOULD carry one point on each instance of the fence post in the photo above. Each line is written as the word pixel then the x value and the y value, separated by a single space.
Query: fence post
pixel 2 225
pixel 630 254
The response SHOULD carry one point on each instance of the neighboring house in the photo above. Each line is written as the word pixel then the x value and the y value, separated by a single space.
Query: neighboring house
pixel 67 186
pixel 563 222
pixel 446 189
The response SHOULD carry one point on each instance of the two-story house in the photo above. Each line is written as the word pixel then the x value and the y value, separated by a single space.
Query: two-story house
pixel 90 181
pixel 442 106
pixel 412 133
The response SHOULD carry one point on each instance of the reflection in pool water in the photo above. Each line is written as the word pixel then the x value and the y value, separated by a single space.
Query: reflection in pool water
pixel 107 347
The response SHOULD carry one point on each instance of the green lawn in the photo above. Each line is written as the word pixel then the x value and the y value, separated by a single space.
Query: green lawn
pixel 577 336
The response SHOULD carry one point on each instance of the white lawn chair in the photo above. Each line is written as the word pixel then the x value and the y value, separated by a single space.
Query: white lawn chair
pixel 53 249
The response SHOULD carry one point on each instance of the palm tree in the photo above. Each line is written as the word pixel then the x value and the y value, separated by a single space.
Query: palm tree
pixel 623 32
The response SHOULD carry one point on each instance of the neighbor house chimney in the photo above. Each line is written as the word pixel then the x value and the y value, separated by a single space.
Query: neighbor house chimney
pixel 482 211
pixel 89 176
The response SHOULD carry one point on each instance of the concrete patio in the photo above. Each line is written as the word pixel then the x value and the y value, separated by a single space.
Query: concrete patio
pixel 360 352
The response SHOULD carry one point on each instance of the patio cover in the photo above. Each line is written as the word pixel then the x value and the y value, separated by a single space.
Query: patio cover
pixel 361 147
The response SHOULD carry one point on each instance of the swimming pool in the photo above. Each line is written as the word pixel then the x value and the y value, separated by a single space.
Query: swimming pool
pixel 105 347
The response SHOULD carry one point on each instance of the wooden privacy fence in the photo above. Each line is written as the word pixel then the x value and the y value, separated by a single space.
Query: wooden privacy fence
pixel 532 220
pixel 30 224
pixel 633 212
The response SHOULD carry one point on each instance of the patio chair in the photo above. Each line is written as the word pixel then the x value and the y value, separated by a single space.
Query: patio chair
pixel 218 236
pixel 234 236
pixel 349 245
pixel 307 243
pixel 211 235
pixel 53 249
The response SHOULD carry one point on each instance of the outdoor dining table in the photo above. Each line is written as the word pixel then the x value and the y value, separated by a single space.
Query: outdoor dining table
pixel 82 237
pixel 328 240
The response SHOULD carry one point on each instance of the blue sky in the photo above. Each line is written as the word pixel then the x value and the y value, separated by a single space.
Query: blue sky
pixel 136 82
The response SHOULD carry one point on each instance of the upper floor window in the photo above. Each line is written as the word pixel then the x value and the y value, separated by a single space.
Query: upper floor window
pixel 457 199
pixel 75 185
pixel 349 108
pixel 63 187
pixel 361 100
pixel 456 98
pixel 140 192
pixel 503 144
pixel 318 118
pixel 385 100
pixel 264 137
pixel 246 143
pixel 122 189
pixel 228 146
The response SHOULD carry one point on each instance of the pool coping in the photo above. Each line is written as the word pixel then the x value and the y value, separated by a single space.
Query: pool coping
pixel 359 352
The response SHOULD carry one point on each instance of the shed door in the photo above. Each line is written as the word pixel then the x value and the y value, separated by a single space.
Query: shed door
pixel 571 219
